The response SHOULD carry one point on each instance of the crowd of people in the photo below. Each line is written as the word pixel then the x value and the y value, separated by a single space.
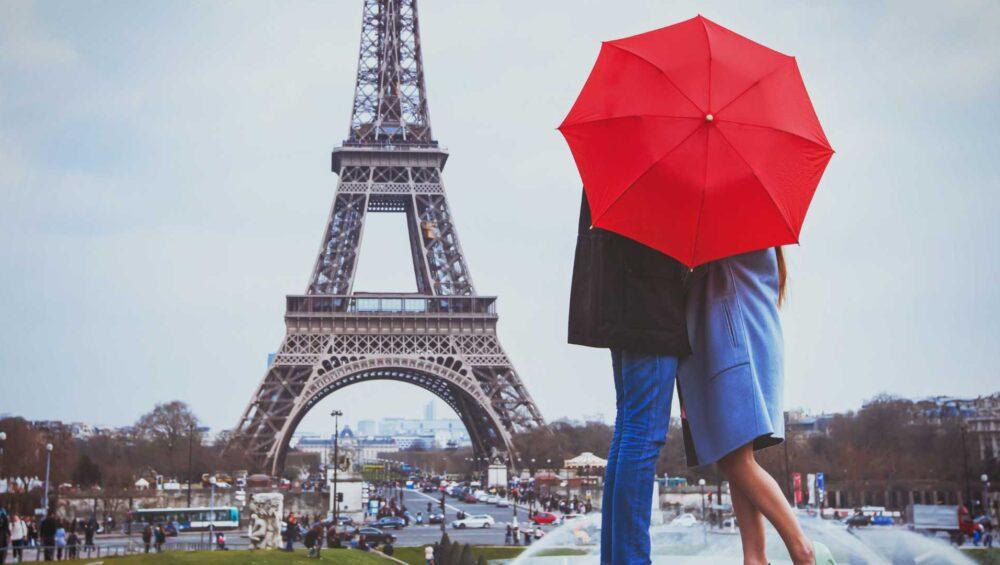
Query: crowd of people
pixel 57 538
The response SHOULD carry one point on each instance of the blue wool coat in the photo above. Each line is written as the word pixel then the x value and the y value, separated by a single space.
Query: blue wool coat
pixel 731 386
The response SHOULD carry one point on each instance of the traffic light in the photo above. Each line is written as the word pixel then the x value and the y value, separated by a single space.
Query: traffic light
pixel 340 497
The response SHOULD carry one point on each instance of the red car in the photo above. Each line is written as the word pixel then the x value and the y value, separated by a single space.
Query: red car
pixel 543 518
pixel 470 499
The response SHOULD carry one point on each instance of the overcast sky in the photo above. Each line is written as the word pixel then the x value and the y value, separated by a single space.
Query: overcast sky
pixel 164 182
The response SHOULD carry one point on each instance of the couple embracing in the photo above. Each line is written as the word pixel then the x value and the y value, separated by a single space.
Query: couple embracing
pixel 699 152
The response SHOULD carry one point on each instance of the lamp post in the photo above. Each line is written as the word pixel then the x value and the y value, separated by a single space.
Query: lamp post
pixel 788 474
pixel 701 483
pixel 967 494
pixel 336 460
pixel 190 449
pixel 3 439
pixel 986 494
pixel 48 465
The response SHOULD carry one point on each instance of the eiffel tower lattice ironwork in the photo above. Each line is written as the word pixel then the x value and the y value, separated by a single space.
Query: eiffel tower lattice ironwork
pixel 442 338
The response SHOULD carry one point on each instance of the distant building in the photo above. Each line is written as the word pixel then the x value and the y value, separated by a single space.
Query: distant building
pixel 370 449
pixel 803 424
pixel 981 416
pixel 429 411
pixel 366 428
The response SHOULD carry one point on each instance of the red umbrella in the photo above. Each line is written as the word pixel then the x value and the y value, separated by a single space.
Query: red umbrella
pixel 697 142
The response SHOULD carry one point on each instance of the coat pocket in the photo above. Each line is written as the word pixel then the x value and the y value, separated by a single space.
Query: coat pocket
pixel 725 337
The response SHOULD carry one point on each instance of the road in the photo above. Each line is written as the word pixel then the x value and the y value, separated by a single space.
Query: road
pixel 416 501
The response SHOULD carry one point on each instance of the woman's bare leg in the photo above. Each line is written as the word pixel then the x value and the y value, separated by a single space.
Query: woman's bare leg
pixel 759 487
pixel 751 523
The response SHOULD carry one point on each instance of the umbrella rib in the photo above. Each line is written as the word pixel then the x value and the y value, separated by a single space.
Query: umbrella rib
pixel 609 118
pixel 642 174
pixel 662 72
pixel 779 130
pixel 701 205
pixel 781 209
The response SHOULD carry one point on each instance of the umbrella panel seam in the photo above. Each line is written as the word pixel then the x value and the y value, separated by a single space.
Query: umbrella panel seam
pixel 779 207
pixel 779 130
pixel 625 117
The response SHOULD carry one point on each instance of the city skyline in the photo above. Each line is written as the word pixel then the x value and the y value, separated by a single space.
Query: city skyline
pixel 164 180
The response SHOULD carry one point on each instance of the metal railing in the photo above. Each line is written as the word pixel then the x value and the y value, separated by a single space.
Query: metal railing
pixel 386 304
pixel 33 553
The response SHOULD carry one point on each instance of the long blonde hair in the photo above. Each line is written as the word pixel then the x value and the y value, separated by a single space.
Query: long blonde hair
pixel 782 275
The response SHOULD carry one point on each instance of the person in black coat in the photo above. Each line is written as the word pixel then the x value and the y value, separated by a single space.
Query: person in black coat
pixel 630 299
pixel 4 535
pixel 47 533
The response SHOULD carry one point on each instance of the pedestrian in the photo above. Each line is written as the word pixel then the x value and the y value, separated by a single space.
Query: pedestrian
pixel 147 538
pixel 89 528
pixel 159 538
pixel 47 534
pixel 506 539
pixel 310 542
pixel 429 555
pixel 32 539
pixel 73 543
pixel 527 536
pixel 60 540
pixel 18 537
pixel 220 541
pixel 291 532
pixel 5 531
pixel 629 298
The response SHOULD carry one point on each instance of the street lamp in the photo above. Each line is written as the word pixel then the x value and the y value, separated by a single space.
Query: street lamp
pixel 986 494
pixel 48 465
pixel 701 483
pixel 336 460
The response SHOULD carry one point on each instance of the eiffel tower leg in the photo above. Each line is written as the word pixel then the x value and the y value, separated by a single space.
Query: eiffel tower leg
pixel 338 256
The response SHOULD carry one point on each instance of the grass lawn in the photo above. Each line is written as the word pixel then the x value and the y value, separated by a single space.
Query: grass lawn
pixel 415 555
pixel 983 555
pixel 344 556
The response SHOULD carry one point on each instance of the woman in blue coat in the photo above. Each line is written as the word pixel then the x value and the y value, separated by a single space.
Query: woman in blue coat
pixel 731 392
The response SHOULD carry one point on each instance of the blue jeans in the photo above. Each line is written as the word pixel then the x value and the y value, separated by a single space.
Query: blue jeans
pixel 644 386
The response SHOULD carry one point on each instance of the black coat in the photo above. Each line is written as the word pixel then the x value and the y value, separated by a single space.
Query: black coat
pixel 625 295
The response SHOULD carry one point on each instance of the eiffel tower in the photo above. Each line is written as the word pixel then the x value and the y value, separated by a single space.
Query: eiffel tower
pixel 441 338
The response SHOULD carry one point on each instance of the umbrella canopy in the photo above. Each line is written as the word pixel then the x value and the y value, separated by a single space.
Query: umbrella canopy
pixel 696 141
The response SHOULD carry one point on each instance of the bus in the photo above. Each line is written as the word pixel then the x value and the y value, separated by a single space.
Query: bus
pixel 187 519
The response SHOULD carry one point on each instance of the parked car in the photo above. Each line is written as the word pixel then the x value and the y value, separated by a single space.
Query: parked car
pixel 543 517
pixel 477 521
pixel 882 520
pixel 375 536
pixel 390 522
pixel 503 503
pixel 471 499
pixel 435 518
pixel 857 520
pixel 482 496
pixel 344 520
pixel 492 499
pixel 687 520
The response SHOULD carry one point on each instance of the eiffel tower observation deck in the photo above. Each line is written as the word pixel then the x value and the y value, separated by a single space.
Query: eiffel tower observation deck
pixel 441 338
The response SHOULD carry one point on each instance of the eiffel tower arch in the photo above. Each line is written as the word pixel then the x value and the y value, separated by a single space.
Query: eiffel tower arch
pixel 441 338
